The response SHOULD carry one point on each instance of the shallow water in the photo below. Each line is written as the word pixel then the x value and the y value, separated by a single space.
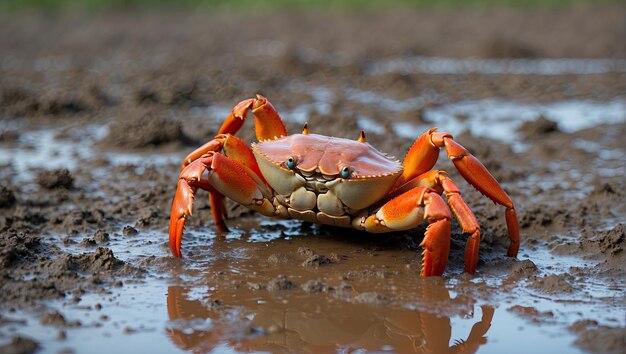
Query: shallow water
pixel 498 119
pixel 226 303
pixel 538 66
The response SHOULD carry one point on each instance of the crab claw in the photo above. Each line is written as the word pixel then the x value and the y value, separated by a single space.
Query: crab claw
pixel 267 122
pixel 408 210
pixel 181 208
pixel 183 202
pixel 226 177
pixel 188 183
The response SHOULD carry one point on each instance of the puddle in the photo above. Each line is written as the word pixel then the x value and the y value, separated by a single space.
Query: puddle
pixel 499 119
pixel 53 148
pixel 540 66
pixel 40 149
pixel 367 300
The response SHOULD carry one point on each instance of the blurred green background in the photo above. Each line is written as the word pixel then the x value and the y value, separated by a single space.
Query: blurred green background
pixel 12 5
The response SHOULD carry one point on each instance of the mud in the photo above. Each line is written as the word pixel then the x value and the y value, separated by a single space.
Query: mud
pixel 95 123
pixel 55 179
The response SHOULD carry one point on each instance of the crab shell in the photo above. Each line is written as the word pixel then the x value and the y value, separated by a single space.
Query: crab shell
pixel 316 177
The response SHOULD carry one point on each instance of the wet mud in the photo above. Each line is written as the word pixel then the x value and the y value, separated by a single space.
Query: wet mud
pixel 95 123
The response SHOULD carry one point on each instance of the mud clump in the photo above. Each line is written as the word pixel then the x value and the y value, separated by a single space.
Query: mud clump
pixel 553 283
pixel 599 339
pixel 316 260
pixel 610 243
pixel 278 258
pixel 146 96
pixel 16 246
pixel 604 189
pixel 305 252
pixel 59 275
pixel 60 178
pixel 7 198
pixel 55 318
pixel 101 237
pixel 148 130
pixel 18 101
pixel 314 287
pixel 20 345
pixel 81 220
pixel 281 282
pixel 606 245
pixel 129 231
pixel 100 261
pixel 372 298
pixel 538 128
pixel 63 106
pixel 87 242
pixel 9 137
pixel 524 269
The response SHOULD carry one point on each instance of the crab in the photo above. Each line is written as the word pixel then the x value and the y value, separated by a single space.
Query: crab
pixel 340 182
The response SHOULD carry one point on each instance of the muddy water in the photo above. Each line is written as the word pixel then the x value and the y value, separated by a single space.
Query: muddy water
pixel 294 287
pixel 93 129
pixel 277 287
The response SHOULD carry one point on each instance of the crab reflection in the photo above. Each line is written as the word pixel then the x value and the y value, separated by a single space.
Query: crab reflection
pixel 318 323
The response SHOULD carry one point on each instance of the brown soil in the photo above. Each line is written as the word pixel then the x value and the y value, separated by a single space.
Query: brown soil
pixel 155 86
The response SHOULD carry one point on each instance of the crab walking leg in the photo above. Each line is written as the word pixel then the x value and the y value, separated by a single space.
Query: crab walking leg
pixel 408 210
pixel 227 177
pixel 267 123
pixel 218 210
pixel 423 155
pixel 467 221
pixel 478 176
pixel 440 182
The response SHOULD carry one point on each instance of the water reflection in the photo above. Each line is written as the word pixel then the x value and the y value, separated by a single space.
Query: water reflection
pixel 295 322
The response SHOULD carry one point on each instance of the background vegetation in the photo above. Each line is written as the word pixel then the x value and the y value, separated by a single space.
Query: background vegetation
pixel 8 5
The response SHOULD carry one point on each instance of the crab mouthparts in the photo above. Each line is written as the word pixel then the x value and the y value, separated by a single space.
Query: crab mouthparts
pixel 316 195
pixel 317 182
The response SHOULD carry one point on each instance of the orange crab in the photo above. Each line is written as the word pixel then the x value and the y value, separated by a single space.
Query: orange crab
pixel 338 182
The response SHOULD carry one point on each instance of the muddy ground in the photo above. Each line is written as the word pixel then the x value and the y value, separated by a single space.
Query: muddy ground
pixel 98 111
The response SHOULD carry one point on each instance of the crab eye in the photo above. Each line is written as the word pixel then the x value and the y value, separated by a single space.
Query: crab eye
pixel 291 163
pixel 345 173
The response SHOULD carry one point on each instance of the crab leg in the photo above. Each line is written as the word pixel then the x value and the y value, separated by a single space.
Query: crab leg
pixel 227 177
pixel 267 122
pixel 423 155
pixel 440 182
pixel 408 210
